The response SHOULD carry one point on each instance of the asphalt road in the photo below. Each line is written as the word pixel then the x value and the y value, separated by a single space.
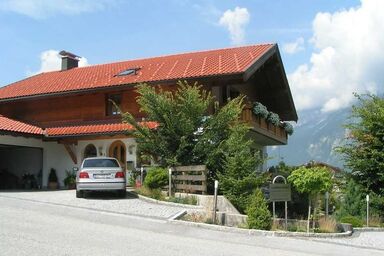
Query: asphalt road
pixel 29 228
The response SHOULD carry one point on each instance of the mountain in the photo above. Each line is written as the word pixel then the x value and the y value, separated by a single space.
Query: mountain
pixel 315 136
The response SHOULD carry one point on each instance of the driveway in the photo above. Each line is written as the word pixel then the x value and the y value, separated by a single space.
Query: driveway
pixel 99 202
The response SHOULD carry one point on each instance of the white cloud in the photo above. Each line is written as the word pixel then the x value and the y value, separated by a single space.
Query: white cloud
pixel 45 8
pixel 235 21
pixel 294 47
pixel 348 58
pixel 51 61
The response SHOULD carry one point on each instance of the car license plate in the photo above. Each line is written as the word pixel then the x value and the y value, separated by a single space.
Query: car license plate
pixel 102 176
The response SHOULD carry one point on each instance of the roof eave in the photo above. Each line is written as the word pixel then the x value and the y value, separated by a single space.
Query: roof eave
pixel 258 63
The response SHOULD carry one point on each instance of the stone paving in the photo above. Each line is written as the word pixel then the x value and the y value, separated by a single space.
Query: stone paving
pixel 100 201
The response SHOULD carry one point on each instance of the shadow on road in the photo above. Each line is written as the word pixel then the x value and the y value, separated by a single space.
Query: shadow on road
pixel 106 195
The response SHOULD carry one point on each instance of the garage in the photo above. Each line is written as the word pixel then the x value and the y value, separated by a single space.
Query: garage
pixel 21 160
pixel 20 167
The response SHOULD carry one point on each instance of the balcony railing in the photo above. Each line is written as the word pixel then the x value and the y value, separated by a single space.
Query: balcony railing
pixel 277 134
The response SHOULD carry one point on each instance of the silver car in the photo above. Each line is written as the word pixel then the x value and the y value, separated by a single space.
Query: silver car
pixel 100 174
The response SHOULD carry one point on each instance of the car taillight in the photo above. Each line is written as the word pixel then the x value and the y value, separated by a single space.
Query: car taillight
pixel 83 175
pixel 119 175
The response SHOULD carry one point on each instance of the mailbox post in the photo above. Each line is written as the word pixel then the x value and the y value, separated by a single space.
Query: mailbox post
pixel 280 192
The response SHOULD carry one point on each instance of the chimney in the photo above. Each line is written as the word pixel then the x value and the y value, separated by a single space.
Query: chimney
pixel 68 60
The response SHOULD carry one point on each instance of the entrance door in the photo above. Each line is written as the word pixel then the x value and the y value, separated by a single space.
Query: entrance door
pixel 118 151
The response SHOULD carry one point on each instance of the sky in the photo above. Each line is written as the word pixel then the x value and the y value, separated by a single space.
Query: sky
pixel 330 49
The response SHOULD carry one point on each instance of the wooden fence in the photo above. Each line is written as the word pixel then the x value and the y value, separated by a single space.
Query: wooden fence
pixel 190 179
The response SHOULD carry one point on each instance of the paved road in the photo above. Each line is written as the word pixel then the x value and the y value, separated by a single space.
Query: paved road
pixel 28 227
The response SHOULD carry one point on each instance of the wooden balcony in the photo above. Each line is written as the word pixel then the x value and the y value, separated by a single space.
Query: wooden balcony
pixel 264 133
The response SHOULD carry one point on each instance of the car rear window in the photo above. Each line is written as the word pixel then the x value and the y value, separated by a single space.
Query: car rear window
pixel 100 163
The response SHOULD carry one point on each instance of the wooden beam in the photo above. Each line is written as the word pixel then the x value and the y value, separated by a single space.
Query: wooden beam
pixel 71 153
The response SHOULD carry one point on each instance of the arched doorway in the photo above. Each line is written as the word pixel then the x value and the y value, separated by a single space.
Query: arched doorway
pixel 118 151
pixel 90 151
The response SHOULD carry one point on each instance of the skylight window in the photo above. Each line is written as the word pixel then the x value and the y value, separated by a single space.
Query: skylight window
pixel 129 71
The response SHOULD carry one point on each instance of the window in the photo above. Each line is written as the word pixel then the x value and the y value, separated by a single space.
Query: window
pixel 112 109
pixel 90 151
pixel 129 71
pixel 102 162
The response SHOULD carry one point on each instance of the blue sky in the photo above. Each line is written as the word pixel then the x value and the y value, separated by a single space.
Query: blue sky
pixel 106 31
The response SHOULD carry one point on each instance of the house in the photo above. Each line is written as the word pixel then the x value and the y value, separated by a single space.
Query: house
pixel 56 119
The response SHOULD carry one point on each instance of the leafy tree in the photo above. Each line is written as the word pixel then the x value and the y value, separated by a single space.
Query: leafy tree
pixel 312 181
pixel 353 201
pixel 238 178
pixel 186 133
pixel 364 149
pixel 259 216
pixel 191 128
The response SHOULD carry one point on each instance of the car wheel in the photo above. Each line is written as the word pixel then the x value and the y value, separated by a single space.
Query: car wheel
pixel 79 194
pixel 122 193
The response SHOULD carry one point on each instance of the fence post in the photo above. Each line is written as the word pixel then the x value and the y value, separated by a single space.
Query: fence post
pixel 326 204
pixel 215 201
pixel 141 175
pixel 367 198
pixel 170 182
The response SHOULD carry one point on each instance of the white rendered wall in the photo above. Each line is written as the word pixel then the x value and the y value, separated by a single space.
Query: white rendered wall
pixel 102 147
pixel 55 155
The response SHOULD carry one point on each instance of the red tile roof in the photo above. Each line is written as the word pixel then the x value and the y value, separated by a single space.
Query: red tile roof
pixel 94 129
pixel 10 125
pixel 172 67
pixel 14 126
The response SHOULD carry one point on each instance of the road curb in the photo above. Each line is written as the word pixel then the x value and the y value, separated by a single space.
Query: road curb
pixel 254 232
pixel 369 229
pixel 151 200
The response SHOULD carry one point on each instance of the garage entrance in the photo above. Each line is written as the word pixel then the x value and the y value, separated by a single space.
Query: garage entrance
pixel 20 167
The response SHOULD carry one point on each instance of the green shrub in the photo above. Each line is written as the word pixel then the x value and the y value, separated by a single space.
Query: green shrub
pixel 152 193
pixel 354 221
pixel 288 128
pixel 192 200
pixel 273 118
pixel 156 178
pixel 259 216
pixel 52 175
pixel 70 178
pixel 260 110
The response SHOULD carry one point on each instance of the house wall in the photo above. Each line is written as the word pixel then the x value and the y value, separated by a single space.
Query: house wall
pixel 55 155
pixel 102 147
pixel 70 109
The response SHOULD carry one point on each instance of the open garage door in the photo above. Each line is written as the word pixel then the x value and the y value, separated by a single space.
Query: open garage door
pixel 20 167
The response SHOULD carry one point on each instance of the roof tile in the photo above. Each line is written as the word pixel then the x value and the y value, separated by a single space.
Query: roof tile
pixel 10 125
pixel 171 67
pixel 96 129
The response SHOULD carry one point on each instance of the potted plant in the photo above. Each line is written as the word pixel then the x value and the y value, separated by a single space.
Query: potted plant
pixel 70 179
pixel 52 179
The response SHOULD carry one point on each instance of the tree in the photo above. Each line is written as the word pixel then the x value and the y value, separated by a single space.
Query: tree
pixel 312 181
pixel 363 151
pixel 259 216
pixel 191 126
pixel 238 178
pixel 353 201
